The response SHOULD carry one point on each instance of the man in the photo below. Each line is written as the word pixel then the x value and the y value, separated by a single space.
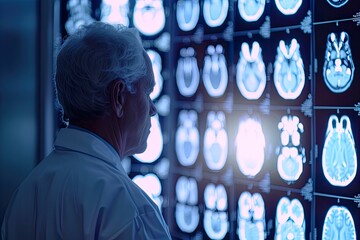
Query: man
pixel 80 191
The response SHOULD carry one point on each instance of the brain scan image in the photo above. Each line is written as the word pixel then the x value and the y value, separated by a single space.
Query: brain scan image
pixel 251 217
pixel 250 147
pixel 186 211
pixel 338 224
pixel 216 223
pixel 187 72
pixel 339 67
pixel 290 220
pixel 288 7
pixel 250 71
pixel 291 157
pixel 289 75
pixel 187 14
pixel 337 3
pixel 339 160
pixel 79 15
pixel 154 143
pixel 149 16
pixel 215 74
pixel 215 141
pixel 157 67
pixel 151 185
pixel 115 12
pixel 187 138
pixel 251 10
pixel 215 12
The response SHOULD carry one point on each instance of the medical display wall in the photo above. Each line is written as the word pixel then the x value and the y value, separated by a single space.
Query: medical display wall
pixel 258 128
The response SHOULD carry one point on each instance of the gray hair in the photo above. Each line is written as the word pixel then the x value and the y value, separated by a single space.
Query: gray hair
pixel 92 58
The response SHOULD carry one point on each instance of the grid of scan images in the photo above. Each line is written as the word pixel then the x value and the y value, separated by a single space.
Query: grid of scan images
pixel 258 128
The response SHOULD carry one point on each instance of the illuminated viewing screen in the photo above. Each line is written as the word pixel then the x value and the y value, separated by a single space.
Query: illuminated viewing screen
pixel 257 134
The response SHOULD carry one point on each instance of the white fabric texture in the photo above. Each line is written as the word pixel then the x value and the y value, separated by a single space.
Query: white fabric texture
pixel 81 191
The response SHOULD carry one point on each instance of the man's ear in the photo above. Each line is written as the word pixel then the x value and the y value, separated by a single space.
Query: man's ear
pixel 117 97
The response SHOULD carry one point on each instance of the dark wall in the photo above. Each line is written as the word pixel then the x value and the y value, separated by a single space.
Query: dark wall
pixel 18 94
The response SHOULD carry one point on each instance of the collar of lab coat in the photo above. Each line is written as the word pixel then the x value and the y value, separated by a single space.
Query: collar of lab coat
pixel 81 140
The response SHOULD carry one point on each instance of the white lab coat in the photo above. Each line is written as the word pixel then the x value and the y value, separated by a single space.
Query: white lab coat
pixel 81 191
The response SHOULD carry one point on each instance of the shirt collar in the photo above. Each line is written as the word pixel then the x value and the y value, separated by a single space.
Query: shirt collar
pixel 81 140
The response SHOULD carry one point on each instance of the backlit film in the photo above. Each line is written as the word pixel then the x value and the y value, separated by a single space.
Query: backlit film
pixel 257 130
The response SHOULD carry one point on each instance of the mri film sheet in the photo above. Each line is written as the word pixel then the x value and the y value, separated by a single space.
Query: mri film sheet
pixel 337 139
pixel 337 82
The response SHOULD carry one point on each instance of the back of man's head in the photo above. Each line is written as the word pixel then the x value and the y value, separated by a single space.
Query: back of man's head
pixel 89 60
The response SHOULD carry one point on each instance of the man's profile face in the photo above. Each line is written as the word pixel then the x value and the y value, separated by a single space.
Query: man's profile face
pixel 138 110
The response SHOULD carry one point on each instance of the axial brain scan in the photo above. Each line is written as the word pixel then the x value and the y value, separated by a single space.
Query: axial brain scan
pixel 149 16
pixel 339 67
pixel 250 74
pixel 115 12
pixel 290 160
pixel 338 224
pixel 290 220
pixel 187 138
pixel 337 3
pixel 251 216
pixel 251 10
pixel 250 144
pixel 339 160
pixel 215 74
pixel 187 72
pixel 215 12
pixel 215 141
pixel 216 222
pixel 187 212
pixel 289 75
pixel 187 14
pixel 288 7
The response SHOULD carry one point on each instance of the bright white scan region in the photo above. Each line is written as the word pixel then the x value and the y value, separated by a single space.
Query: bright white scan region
pixel 250 147
pixel 187 72
pixel 187 138
pixel 251 216
pixel 250 71
pixel 215 74
pixel 154 143
pixel 339 159
pixel 290 220
pixel 215 141
pixel 338 71
pixel 215 12
pixel 251 10
pixel 288 7
pixel 115 12
pixel 289 75
pixel 80 15
pixel 216 222
pixel 157 67
pixel 187 214
pixel 339 224
pixel 290 159
pixel 149 16
pixel 187 14
pixel 151 185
